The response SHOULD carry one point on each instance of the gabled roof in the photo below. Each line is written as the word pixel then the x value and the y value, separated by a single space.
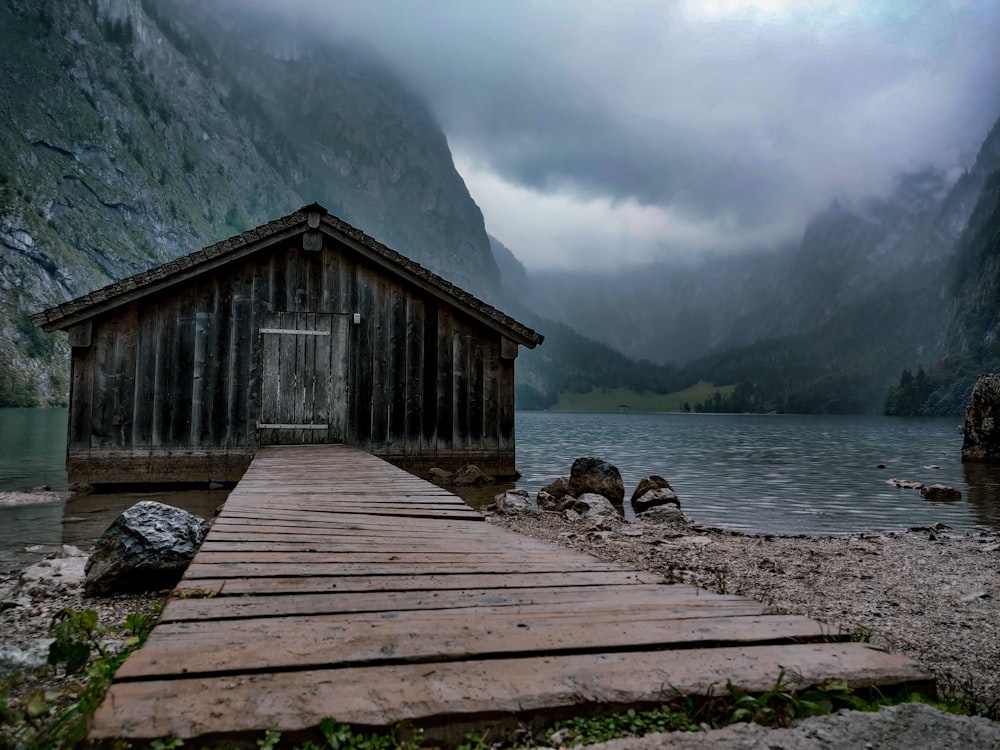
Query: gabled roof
pixel 311 217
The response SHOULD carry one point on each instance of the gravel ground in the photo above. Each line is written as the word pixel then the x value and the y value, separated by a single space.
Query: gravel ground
pixel 925 592
pixel 922 592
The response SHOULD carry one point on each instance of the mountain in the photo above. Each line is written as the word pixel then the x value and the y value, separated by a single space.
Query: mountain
pixel 970 334
pixel 140 131
pixel 824 326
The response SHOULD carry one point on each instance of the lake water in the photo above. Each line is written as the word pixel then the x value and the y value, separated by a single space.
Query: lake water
pixel 775 474
pixel 786 474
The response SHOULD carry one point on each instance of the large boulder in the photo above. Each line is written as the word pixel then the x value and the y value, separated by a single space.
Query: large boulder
pixel 147 548
pixel 597 476
pixel 652 482
pixel 982 422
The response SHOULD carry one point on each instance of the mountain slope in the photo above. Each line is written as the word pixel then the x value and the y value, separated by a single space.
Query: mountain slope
pixel 139 131
pixel 824 326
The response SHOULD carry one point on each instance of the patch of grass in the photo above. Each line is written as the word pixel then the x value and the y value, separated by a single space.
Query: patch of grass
pixel 625 400
pixel 777 707
pixel 58 718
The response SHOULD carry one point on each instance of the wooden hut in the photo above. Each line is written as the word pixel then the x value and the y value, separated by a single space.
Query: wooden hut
pixel 304 330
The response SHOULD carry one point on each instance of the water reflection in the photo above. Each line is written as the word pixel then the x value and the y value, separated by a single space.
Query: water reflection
pixel 32 449
pixel 87 516
pixel 771 473
pixel 984 492
pixel 29 533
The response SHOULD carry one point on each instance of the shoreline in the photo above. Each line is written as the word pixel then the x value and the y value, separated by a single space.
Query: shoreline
pixel 927 593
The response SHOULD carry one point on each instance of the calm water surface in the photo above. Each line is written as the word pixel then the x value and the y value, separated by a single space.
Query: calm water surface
pixel 781 474
pixel 32 453
pixel 774 473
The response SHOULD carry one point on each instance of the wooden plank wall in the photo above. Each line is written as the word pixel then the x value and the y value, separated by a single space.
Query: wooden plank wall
pixel 169 389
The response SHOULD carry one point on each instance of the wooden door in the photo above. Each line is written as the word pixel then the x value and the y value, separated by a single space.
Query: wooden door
pixel 303 379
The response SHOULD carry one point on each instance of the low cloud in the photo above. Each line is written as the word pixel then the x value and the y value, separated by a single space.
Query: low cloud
pixel 674 127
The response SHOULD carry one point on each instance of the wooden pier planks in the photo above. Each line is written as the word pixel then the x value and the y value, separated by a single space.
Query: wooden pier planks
pixel 335 584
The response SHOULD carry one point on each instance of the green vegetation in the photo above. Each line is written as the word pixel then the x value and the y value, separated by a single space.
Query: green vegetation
pixel 44 720
pixel 622 399
pixel 51 719
pixel 777 707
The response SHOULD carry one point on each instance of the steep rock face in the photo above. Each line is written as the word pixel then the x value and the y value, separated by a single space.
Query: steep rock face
pixel 982 422
pixel 135 133
pixel 974 315
pixel 345 129
pixel 513 277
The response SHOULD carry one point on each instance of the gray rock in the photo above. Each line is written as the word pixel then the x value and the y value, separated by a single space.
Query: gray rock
pixel 470 475
pixel 441 476
pixel 981 428
pixel 662 514
pixel 69 570
pixel 147 548
pixel 557 489
pixel 15 659
pixel 512 502
pixel 655 497
pixel 940 493
pixel 548 502
pixel 589 505
pixel 597 476
pixel 652 482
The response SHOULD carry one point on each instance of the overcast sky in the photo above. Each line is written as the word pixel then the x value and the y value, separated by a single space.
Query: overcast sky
pixel 602 132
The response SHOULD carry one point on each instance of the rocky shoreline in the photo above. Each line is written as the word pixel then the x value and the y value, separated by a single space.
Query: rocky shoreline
pixel 925 592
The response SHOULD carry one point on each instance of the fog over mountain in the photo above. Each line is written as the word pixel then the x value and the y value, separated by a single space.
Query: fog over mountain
pixel 763 195
pixel 597 134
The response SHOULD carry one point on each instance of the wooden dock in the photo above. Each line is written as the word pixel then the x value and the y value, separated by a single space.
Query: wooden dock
pixel 334 584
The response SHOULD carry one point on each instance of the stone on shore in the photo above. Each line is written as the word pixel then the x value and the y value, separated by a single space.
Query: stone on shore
pixel 652 482
pixel 654 497
pixel 662 514
pixel 589 505
pixel 981 428
pixel 512 502
pixel 147 548
pixel 552 495
pixel 597 476
pixel 470 475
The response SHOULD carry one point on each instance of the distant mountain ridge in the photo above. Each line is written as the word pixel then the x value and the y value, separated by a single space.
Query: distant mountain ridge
pixel 826 325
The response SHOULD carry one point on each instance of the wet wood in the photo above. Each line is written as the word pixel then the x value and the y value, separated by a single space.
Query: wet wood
pixel 264 349
pixel 329 569
pixel 438 695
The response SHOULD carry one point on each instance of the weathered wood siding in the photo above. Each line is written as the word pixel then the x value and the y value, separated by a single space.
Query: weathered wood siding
pixel 171 386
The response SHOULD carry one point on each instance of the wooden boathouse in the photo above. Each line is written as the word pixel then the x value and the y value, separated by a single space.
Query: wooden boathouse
pixel 304 330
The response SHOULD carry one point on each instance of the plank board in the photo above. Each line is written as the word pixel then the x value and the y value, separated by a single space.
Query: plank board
pixel 334 584
pixel 456 692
